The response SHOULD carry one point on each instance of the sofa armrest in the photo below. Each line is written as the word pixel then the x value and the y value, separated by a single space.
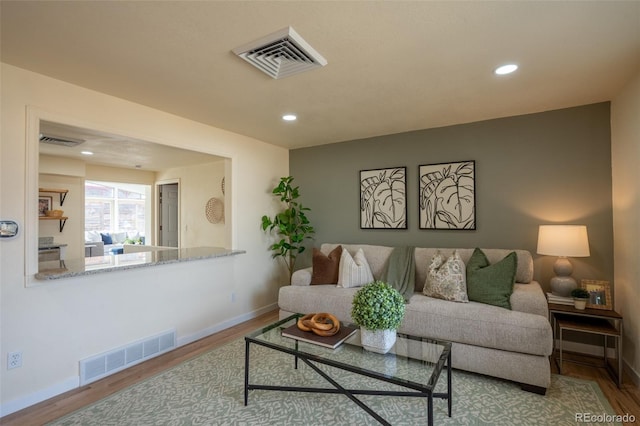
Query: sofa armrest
pixel 93 249
pixel 529 298
pixel 302 276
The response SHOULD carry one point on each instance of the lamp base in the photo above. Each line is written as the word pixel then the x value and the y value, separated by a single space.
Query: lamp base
pixel 563 283
pixel 562 286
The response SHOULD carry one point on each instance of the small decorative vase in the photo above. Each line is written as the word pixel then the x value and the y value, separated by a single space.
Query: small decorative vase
pixel 579 303
pixel 380 341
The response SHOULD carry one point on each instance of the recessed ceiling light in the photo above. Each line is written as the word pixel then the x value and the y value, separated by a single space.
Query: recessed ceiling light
pixel 506 69
pixel 289 117
pixel 86 153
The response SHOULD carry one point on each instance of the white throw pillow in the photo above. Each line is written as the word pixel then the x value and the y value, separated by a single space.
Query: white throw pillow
pixel 118 237
pixel 354 271
pixel 446 279
pixel 92 237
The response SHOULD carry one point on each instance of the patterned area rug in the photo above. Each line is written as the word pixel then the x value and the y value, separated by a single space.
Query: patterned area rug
pixel 209 389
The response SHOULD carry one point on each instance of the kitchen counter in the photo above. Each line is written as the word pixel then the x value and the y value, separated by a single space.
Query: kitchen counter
pixel 50 246
pixel 52 270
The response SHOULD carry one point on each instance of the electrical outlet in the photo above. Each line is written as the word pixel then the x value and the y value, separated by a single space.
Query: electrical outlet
pixel 233 297
pixel 14 360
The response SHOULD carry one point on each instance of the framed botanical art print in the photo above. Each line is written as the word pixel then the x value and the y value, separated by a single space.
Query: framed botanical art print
pixel 383 198
pixel 447 197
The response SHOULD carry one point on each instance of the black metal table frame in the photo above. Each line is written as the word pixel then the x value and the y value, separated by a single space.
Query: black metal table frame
pixel 420 391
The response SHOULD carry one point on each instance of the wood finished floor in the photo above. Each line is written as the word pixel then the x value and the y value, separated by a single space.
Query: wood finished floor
pixel 625 400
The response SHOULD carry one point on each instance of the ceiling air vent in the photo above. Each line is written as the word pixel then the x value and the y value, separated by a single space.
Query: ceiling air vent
pixel 55 140
pixel 281 54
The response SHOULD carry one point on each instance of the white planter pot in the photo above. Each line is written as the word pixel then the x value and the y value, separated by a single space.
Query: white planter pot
pixel 579 303
pixel 379 341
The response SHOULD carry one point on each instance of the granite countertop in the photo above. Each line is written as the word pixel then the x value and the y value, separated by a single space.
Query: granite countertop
pixel 56 269
pixel 50 246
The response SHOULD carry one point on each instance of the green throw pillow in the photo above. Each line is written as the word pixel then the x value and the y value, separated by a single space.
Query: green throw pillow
pixel 491 284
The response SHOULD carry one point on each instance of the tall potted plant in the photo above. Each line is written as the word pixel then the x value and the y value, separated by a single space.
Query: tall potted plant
pixel 378 309
pixel 291 224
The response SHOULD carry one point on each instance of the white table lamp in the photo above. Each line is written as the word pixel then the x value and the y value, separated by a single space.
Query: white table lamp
pixel 563 241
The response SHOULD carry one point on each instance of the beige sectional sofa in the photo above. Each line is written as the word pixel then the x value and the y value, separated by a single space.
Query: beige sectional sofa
pixel 510 344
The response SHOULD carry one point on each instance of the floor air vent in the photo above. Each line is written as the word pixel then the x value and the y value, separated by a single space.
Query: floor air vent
pixel 102 365
pixel 281 54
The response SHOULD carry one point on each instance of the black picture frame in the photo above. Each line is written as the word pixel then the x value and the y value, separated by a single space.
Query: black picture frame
pixel 383 198
pixel 447 196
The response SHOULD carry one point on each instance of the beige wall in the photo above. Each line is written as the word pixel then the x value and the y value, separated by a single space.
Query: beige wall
pixel 625 148
pixel 197 185
pixel 73 207
pixel 115 174
pixel 57 323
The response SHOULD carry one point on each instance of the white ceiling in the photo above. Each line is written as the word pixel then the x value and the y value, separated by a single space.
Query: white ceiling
pixel 118 151
pixel 393 66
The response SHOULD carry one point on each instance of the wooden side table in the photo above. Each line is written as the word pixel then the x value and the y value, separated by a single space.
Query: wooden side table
pixel 593 321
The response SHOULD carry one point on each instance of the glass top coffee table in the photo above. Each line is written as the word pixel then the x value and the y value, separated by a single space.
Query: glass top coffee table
pixel 414 363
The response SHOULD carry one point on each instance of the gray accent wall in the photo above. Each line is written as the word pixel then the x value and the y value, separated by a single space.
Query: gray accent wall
pixel 544 168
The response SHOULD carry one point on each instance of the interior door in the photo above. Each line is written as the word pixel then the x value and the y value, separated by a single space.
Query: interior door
pixel 168 200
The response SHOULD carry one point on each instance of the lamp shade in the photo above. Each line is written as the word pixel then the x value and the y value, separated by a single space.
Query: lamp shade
pixel 563 240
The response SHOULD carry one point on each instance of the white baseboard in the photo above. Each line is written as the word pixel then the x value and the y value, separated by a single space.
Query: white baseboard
pixel 39 396
pixel 74 382
pixel 184 340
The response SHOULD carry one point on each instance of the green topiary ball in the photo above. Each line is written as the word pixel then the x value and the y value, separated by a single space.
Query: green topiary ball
pixel 378 306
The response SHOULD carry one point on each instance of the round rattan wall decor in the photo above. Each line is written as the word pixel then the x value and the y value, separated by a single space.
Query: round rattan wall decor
pixel 215 210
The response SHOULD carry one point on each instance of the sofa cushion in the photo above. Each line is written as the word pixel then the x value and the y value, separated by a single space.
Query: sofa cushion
pixel 478 324
pixel 326 267
pixel 491 283
pixel 354 271
pixel 470 323
pixel 446 278
pixel 92 237
pixel 318 298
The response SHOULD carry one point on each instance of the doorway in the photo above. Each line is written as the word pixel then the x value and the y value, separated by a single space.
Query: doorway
pixel 168 214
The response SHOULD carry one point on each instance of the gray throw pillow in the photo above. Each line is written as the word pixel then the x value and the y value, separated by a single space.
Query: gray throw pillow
pixel 446 278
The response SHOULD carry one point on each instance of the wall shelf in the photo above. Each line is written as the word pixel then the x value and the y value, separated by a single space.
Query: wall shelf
pixel 62 219
pixel 62 192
